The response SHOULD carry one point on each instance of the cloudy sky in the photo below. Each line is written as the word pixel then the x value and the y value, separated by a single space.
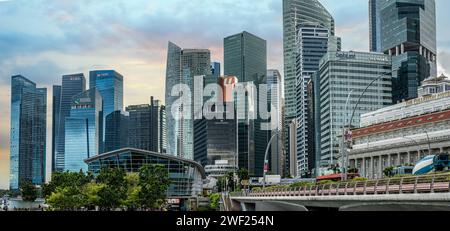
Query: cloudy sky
pixel 43 40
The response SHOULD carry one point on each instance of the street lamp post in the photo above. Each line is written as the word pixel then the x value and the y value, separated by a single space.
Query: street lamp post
pixel 343 160
pixel 429 143
pixel 266 161
pixel 417 144
pixel 353 114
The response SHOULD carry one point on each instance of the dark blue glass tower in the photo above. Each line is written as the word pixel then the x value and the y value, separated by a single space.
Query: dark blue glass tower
pixel 408 33
pixel 72 85
pixel 116 131
pixel 28 132
pixel 56 105
pixel 83 130
pixel 110 85
pixel 245 56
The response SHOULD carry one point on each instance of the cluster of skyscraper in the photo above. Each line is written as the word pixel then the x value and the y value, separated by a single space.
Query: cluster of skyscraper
pixel 85 123
pixel 322 85
pixel 225 143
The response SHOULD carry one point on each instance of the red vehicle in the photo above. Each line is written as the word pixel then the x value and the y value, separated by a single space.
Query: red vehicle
pixel 337 177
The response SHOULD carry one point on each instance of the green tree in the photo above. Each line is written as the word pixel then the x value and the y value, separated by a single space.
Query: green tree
pixel 91 192
pixel 65 179
pixel 114 192
pixel 242 175
pixel 230 181
pixel 154 182
pixel 132 200
pixel 214 199
pixel 28 191
pixel 389 171
pixel 221 183
pixel 67 198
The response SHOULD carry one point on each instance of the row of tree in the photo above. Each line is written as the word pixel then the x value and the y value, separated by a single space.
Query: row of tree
pixel 111 189
pixel 230 182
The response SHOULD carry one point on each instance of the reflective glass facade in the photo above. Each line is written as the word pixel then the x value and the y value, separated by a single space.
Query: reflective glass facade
pixel 55 112
pixel 344 76
pixel 182 66
pixel 274 95
pixel 314 41
pixel 186 176
pixel 28 132
pixel 116 131
pixel 408 33
pixel 72 85
pixel 83 130
pixel 375 25
pixel 110 85
pixel 245 56
pixel 296 12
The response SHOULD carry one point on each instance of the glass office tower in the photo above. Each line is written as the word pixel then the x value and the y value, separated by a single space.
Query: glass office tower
pixel 147 126
pixel 116 131
pixel 314 41
pixel 375 25
pixel 83 130
pixel 274 95
pixel 157 126
pixel 72 85
pixel 139 126
pixel 110 85
pixel 55 113
pixel 296 12
pixel 343 77
pixel 408 34
pixel 28 132
pixel 182 66
pixel 245 56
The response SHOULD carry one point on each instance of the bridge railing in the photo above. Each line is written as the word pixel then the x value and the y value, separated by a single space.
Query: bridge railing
pixel 437 183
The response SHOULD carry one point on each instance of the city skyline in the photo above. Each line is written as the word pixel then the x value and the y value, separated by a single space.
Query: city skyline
pixel 43 55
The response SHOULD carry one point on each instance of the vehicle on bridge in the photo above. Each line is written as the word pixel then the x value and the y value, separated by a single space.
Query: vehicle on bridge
pixel 432 163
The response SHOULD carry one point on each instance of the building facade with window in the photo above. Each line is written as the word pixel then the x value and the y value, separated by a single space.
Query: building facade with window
pixel 343 77
pixel 401 134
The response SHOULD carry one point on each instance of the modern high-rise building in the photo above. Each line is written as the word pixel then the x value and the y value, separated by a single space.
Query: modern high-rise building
pixel 275 95
pixel 110 85
pixel 83 130
pixel 215 139
pixel 157 126
pixel 408 34
pixel 146 127
pixel 343 77
pixel 116 131
pixel 28 132
pixel 314 41
pixel 72 85
pixel 182 66
pixel 375 25
pixel 245 56
pixel 55 113
pixel 139 126
pixel 295 13
pixel 215 69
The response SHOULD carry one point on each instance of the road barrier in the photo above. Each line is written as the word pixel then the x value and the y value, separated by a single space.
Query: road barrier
pixel 437 183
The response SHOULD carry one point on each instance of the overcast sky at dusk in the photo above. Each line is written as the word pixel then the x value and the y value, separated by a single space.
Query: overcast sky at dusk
pixel 43 40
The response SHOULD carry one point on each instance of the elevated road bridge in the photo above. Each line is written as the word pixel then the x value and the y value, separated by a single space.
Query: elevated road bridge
pixel 419 193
